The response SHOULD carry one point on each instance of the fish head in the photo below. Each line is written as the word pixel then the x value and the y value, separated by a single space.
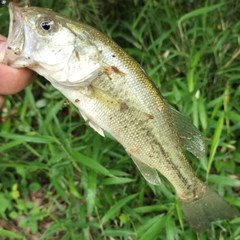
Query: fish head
pixel 49 44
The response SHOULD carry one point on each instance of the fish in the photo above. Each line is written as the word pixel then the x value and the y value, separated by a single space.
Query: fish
pixel 115 95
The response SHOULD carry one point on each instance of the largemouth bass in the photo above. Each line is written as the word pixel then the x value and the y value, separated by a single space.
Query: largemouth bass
pixel 114 94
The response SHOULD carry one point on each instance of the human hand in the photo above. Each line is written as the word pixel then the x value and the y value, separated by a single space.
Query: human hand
pixel 12 80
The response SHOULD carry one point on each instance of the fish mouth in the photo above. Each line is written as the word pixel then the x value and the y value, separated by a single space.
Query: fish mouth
pixel 15 42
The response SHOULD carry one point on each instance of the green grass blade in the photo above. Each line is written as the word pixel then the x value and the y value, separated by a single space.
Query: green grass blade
pixel 199 11
pixel 90 163
pixel 116 207
pixel 143 9
pixel 73 189
pixel 91 191
pixel 10 145
pixel 223 180
pixel 9 234
pixel 60 189
pixel 29 138
pixel 154 227
pixel 115 181
pixel 119 233
pixel 215 141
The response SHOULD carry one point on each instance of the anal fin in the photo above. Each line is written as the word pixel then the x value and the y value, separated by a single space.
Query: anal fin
pixel 150 174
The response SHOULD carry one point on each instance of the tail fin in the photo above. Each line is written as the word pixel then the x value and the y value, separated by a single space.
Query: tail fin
pixel 202 211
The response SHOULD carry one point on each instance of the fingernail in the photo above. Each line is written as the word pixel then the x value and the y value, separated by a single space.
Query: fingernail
pixel 3 46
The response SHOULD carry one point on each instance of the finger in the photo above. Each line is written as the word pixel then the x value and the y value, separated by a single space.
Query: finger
pixel 3 38
pixel 12 80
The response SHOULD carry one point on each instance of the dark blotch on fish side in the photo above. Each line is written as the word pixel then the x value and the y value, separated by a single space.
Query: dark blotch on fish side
pixel 123 106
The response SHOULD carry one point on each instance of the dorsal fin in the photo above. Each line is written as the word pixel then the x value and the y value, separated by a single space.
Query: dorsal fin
pixel 190 137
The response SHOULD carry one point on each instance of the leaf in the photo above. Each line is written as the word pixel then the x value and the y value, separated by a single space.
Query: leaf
pixel 91 191
pixel 116 207
pixel 119 232
pixel 73 189
pixel 29 138
pixel 90 163
pixel 6 233
pixel 115 181
pixel 10 145
pixel 233 116
pixel 153 227
pixel 34 187
pixel 202 113
pixel 60 189
pixel 225 181
pixel 54 110
pixel 147 209
pixel 5 203
pixel 199 11
pixel 216 137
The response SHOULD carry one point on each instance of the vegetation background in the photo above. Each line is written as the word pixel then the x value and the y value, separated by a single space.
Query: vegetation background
pixel 61 180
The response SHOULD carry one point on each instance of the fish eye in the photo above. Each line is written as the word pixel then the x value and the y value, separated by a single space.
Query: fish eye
pixel 47 25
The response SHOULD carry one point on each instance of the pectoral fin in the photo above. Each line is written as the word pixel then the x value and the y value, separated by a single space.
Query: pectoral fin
pixel 92 124
pixel 148 173
pixel 105 98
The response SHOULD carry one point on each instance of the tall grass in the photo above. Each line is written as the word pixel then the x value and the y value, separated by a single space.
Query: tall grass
pixel 60 180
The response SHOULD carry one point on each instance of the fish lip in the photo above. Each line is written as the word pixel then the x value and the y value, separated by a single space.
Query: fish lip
pixel 15 40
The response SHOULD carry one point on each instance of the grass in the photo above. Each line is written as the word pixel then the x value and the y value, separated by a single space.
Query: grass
pixel 61 180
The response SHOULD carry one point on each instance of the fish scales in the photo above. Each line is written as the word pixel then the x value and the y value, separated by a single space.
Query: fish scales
pixel 159 131
pixel 114 94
